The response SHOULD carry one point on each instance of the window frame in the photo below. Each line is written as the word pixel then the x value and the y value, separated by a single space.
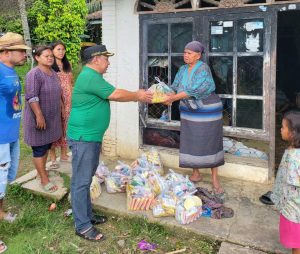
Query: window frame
pixel 200 21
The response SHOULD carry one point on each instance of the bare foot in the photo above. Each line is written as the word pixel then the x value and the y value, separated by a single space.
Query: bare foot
pixel 196 178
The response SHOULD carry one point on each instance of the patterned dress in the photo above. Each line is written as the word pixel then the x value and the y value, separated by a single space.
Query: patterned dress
pixel 45 89
pixel 201 125
pixel 66 81
pixel 286 190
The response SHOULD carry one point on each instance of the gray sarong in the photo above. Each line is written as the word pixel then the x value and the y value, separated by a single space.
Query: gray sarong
pixel 201 134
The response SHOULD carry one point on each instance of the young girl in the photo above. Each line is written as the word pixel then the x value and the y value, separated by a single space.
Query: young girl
pixel 63 68
pixel 286 190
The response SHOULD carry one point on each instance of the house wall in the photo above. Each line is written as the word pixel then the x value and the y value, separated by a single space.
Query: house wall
pixel 121 36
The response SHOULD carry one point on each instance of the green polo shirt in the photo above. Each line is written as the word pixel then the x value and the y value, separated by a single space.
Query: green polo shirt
pixel 90 112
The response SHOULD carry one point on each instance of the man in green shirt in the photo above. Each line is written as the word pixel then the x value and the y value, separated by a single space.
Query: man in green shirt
pixel 89 119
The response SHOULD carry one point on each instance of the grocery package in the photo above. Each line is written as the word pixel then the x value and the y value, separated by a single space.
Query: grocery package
pixel 123 169
pixel 101 172
pixel 179 184
pixel 139 194
pixel 116 182
pixel 188 209
pixel 165 205
pixel 159 90
pixel 139 198
pixel 95 188
pixel 157 183
pixel 154 160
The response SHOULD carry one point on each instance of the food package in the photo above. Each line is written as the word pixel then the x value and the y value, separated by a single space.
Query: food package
pixel 123 169
pixel 95 188
pixel 165 205
pixel 157 183
pixel 159 90
pixel 101 172
pixel 188 209
pixel 154 160
pixel 116 182
pixel 139 198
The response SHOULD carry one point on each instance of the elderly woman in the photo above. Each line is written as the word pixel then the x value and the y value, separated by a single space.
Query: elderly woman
pixel 201 136
pixel 42 116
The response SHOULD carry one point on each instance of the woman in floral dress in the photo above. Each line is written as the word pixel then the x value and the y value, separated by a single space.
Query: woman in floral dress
pixel 64 70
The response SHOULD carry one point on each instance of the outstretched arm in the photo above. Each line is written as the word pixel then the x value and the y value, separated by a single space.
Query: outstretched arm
pixel 123 95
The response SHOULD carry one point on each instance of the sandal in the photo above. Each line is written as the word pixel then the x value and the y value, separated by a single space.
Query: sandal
pixel 3 247
pixel 266 198
pixel 98 219
pixel 91 235
pixel 50 187
pixel 54 165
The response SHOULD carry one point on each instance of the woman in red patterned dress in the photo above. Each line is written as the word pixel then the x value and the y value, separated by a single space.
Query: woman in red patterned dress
pixel 64 70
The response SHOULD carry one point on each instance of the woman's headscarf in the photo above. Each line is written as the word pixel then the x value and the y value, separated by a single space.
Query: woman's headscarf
pixel 195 46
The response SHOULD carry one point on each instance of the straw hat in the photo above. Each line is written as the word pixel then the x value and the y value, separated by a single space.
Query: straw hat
pixel 11 41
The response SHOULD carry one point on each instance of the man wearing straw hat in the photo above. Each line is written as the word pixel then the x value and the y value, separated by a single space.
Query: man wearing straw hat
pixel 12 53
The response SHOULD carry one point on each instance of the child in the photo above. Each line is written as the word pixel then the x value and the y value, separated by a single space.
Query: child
pixel 286 190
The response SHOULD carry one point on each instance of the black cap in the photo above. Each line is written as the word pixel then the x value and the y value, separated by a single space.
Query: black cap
pixel 96 50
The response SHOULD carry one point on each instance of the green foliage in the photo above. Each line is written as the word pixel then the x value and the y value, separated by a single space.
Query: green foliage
pixel 22 71
pixel 10 25
pixel 60 20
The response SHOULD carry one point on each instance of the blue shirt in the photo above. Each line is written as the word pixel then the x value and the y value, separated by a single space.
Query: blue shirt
pixel 198 84
pixel 10 104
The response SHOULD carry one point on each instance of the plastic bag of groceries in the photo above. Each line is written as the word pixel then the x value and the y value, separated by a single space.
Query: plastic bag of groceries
pixel 116 182
pixel 157 183
pixel 139 198
pixel 188 209
pixel 124 169
pixel 95 188
pixel 155 161
pixel 165 205
pixel 101 172
pixel 159 90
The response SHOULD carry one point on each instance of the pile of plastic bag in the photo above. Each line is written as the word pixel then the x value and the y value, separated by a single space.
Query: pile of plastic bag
pixel 147 188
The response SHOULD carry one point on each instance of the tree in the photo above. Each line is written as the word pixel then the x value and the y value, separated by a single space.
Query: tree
pixel 26 32
pixel 61 20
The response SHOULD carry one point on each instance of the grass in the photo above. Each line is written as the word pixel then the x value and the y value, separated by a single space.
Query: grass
pixel 38 230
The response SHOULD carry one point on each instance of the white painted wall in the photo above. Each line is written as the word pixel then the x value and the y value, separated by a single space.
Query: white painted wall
pixel 121 36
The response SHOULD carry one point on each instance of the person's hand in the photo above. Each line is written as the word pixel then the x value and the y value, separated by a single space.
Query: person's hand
pixel 144 96
pixel 40 122
pixel 169 99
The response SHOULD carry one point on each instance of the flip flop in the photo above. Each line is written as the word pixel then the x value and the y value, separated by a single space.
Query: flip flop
pixel 91 235
pixel 4 247
pixel 266 198
pixel 49 187
pixel 54 165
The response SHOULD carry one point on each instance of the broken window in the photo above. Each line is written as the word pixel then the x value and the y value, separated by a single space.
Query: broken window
pixel 164 57
pixel 237 68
